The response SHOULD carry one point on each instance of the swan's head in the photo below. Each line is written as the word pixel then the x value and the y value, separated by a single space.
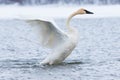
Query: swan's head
pixel 83 11
pixel 80 11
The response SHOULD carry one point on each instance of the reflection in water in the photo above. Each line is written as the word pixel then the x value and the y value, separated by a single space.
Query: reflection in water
pixel 32 63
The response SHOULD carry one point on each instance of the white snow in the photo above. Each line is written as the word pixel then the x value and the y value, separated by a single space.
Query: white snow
pixel 56 11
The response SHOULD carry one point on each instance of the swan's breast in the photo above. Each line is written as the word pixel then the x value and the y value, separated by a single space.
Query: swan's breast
pixel 62 52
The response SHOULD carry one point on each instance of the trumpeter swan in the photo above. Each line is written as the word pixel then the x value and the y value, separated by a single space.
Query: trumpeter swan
pixel 53 37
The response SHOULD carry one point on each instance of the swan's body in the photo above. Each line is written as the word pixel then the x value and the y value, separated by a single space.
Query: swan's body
pixel 53 37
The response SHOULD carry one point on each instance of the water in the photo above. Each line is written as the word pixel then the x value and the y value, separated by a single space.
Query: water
pixel 61 2
pixel 96 56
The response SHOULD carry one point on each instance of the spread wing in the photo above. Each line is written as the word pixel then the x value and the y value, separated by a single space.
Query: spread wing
pixel 49 34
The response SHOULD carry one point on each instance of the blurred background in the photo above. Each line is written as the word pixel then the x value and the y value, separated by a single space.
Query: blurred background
pixel 57 8
pixel 59 2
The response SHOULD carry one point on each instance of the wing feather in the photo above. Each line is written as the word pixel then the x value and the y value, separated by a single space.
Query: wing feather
pixel 49 34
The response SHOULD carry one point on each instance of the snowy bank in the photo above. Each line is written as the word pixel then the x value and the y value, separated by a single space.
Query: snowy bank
pixel 10 12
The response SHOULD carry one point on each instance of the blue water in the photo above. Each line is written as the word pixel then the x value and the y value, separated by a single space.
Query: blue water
pixel 95 57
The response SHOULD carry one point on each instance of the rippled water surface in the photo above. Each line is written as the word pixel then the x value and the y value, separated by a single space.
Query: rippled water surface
pixel 96 57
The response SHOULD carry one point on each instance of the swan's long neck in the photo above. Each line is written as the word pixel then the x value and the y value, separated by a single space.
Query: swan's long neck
pixel 71 29
pixel 68 22
pixel 73 32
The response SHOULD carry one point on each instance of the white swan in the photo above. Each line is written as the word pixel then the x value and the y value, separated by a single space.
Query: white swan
pixel 53 37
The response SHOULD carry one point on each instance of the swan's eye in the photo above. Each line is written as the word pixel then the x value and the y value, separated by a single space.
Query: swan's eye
pixel 88 12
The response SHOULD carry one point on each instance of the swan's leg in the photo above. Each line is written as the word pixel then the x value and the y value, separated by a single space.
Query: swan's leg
pixel 44 62
pixel 51 63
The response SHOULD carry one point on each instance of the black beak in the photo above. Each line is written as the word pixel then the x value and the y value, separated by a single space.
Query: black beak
pixel 88 12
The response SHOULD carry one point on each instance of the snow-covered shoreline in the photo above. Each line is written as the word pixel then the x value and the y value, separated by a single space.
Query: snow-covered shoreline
pixel 12 12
